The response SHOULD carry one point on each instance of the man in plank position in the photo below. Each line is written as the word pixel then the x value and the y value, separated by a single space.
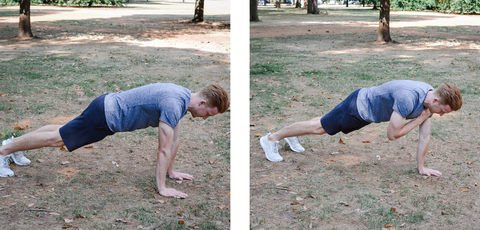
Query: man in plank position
pixel 393 101
pixel 155 105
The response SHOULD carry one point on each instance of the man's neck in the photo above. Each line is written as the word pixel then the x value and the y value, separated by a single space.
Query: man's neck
pixel 194 99
pixel 429 98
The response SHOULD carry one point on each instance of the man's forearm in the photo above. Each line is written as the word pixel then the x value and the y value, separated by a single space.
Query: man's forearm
pixel 409 127
pixel 163 163
pixel 422 151
pixel 172 158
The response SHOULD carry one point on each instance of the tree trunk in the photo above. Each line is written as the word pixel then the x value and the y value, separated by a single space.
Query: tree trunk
pixel 24 27
pixel 254 11
pixel 198 17
pixel 384 22
pixel 312 7
pixel 277 4
pixel 347 3
pixel 298 4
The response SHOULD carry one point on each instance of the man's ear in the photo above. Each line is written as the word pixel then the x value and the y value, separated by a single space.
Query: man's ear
pixel 435 99
pixel 202 102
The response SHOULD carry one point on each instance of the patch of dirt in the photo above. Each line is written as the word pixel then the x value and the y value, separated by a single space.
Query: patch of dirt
pixel 344 160
pixel 68 172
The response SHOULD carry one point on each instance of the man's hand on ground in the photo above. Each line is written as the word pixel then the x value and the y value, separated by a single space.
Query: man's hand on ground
pixel 170 192
pixel 180 176
pixel 430 172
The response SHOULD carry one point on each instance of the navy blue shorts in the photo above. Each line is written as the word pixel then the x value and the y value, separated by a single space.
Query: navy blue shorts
pixel 344 117
pixel 91 126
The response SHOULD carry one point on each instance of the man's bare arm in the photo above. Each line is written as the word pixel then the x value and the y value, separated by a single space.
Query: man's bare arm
pixel 176 142
pixel 423 142
pixel 398 128
pixel 165 144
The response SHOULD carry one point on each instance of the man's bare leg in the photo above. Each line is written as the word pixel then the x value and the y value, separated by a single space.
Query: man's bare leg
pixel 298 129
pixel 46 136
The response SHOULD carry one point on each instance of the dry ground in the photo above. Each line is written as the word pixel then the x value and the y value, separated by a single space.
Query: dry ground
pixel 302 66
pixel 78 54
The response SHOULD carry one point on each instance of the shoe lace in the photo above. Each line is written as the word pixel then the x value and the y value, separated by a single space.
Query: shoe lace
pixel 295 141
pixel 18 155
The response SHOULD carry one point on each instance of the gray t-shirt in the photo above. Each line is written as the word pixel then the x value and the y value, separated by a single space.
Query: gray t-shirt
pixel 146 106
pixel 376 104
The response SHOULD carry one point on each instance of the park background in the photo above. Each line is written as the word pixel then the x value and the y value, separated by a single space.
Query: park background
pixel 302 65
pixel 79 53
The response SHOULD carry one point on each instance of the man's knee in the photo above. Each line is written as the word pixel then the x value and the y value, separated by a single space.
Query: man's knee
pixel 316 126
pixel 55 139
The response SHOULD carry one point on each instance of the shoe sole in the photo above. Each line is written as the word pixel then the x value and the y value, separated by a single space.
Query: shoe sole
pixel 291 147
pixel 263 146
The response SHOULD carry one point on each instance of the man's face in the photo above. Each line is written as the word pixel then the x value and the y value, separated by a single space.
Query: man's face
pixel 439 109
pixel 204 111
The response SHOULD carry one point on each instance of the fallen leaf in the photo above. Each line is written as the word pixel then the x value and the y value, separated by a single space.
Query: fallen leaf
pixel 80 216
pixel 294 202
pixel 287 153
pixel 394 209
pixel 162 201
pixel 30 205
pixel 388 226
pixel 211 161
pixel 88 146
pixel 324 93
pixel 63 148
pixel 181 222
pixel 279 118
pixel 21 127
pixel 341 141
pixel 294 98
pixel 55 214
pixel 415 185
pixel 258 135
pixel 444 213
pixel 120 220
pixel 116 181
pixel 470 162
pixel 179 213
pixel 366 141
pixel 40 160
pixel 155 195
pixel 221 207
pixel 68 221
pixel 3 95
pixel 464 190
pixel 312 196
pixel 298 198
pixel 337 68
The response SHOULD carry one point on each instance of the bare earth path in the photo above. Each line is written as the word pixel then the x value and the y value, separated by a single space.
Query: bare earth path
pixel 286 27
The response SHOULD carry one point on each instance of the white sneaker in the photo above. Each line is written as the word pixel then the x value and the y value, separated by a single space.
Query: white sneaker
pixel 294 144
pixel 17 157
pixel 271 150
pixel 4 168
